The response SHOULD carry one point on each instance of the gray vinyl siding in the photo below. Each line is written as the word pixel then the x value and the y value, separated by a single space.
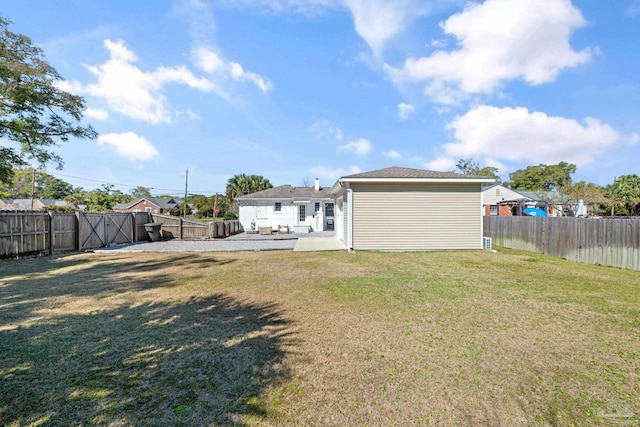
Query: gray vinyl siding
pixel 416 217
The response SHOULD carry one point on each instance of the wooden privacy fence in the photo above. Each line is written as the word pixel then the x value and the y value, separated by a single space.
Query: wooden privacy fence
pixel 611 242
pixel 36 233
pixel 179 228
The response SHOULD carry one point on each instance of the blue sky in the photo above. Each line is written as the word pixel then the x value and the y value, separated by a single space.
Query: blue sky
pixel 298 89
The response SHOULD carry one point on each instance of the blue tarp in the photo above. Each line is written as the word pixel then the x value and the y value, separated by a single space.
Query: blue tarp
pixel 534 212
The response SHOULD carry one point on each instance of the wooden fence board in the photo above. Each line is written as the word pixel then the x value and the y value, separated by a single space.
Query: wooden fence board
pixel 64 230
pixel 179 228
pixel 612 242
pixel 24 233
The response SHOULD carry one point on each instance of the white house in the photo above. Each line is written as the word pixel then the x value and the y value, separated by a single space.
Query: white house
pixel 300 209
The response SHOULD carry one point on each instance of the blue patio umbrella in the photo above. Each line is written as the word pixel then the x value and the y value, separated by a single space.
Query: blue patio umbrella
pixel 534 212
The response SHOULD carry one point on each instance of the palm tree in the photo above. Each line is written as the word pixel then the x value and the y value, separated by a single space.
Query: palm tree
pixel 242 184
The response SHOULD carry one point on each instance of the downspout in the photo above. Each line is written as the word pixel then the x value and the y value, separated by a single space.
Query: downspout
pixel 350 226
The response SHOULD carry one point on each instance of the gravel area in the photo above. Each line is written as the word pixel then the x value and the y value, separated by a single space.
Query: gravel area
pixel 203 246
pixel 239 242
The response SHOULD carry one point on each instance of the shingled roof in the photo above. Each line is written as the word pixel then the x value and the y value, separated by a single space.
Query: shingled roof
pixel 288 192
pixel 409 173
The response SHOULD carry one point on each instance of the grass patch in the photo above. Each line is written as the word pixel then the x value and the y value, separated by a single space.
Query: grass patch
pixel 282 338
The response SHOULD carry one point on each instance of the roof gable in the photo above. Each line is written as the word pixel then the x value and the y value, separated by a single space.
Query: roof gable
pixel 161 202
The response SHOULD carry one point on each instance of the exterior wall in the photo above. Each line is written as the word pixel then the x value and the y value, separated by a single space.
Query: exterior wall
pixel 497 193
pixel 415 217
pixel 264 215
pixel 502 210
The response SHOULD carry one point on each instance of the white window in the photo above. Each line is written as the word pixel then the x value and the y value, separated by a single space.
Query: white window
pixel 317 206
pixel 493 209
pixel 302 213
pixel 277 207
pixel 328 209
pixel 147 209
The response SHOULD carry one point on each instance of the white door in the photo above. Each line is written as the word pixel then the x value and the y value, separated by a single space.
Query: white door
pixel 302 214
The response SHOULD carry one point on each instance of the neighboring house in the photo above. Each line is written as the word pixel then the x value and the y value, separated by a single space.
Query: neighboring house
pixel 156 205
pixel 499 200
pixel 38 204
pixel 493 195
pixel 300 209
pixel 402 209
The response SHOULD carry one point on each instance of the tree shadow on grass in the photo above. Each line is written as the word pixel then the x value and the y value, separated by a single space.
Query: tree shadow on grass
pixel 204 361
pixel 35 281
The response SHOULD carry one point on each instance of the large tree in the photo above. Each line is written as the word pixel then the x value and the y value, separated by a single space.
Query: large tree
pixel 140 191
pixel 542 177
pixel 591 194
pixel 103 199
pixel 471 167
pixel 35 113
pixel 625 194
pixel 46 186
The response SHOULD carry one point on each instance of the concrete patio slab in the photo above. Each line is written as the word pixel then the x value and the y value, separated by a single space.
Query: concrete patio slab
pixel 319 244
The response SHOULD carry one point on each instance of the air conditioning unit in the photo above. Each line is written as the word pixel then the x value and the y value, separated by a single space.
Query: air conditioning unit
pixel 486 243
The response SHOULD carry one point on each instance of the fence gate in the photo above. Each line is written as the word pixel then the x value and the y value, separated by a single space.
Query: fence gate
pixel 119 228
pixel 101 229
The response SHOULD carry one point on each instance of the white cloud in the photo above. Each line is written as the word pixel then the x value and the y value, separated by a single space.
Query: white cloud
pixel 200 17
pixel 405 110
pixel 210 62
pixel 238 73
pixel 392 154
pixel 634 138
pixel 333 173
pixel 136 93
pixel 498 41
pixel 129 145
pixel 517 134
pixel 96 113
pixel 378 21
pixel 375 21
pixel 360 146
pixel 304 7
pixel 323 127
pixel 442 164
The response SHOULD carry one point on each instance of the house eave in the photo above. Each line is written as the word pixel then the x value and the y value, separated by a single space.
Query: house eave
pixel 415 181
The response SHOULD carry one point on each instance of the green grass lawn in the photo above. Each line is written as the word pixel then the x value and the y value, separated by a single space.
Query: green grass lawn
pixel 281 338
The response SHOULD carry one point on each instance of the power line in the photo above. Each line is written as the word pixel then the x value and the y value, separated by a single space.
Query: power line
pixel 171 190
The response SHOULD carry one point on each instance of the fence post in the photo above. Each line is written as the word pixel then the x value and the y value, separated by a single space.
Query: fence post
pixel 134 227
pixel 51 232
pixel 180 228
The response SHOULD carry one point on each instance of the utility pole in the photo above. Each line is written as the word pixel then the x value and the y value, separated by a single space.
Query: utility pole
pixel 184 208
pixel 33 186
